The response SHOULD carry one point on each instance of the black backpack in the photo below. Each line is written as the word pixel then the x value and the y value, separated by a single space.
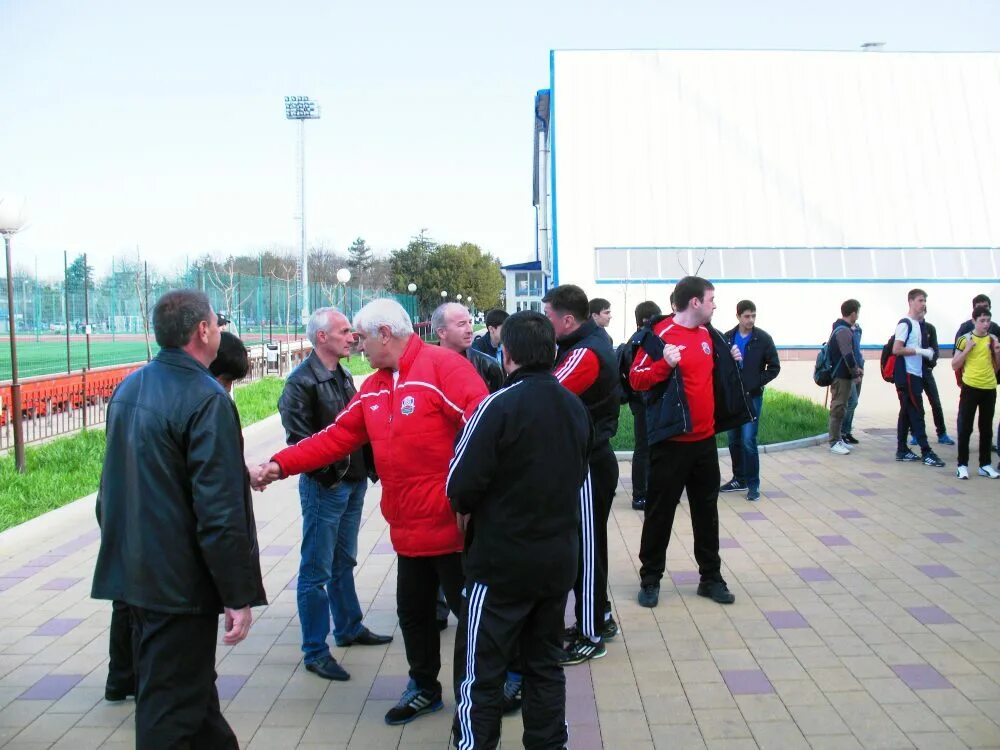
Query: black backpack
pixel 625 354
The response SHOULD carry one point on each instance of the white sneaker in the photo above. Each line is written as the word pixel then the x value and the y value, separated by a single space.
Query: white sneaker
pixel 989 472
pixel 840 448
pixel 962 472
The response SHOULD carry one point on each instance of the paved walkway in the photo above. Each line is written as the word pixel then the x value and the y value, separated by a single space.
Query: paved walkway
pixel 867 615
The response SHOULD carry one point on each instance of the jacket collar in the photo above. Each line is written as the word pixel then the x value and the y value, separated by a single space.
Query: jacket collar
pixel 180 358
pixel 524 373
pixel 585 330
pixel 730 335
pixel 413 347
pixel 318 369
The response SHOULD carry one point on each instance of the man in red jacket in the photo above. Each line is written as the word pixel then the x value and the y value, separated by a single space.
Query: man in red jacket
pixel 410 410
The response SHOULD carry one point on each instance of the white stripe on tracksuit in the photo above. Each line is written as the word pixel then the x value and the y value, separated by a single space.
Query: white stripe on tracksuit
pixel 464 711
pixel 588 616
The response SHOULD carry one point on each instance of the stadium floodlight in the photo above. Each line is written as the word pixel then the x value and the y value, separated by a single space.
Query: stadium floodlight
pixel 302 108
pixel 13 217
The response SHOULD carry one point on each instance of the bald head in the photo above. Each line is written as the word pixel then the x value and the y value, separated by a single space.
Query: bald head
pixel 453 325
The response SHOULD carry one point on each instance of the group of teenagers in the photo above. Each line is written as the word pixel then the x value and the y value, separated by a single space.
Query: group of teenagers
pixel 497 493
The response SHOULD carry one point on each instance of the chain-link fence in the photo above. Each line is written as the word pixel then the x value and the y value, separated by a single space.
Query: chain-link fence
pixel 66 325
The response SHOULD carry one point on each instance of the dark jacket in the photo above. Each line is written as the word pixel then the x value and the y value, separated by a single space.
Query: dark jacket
pixel 518 467
pixel 310 402
pixel 177 525
pixel 483 344
pixel 760 360
pixel 667 412
pixel 603 398
pixel 488 368
pixel 841 349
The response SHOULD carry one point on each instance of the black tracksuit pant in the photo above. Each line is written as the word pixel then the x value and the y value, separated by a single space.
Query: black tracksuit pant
pixel 591 587
pixel 911 413
pixel 177 704
pixel 491 626
pixel 675 467
pixel 417 582
pixel 121 675
pixel 969 401
pixel 640 454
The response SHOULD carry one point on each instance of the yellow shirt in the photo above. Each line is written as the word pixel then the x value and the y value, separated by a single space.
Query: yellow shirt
pixel 977 369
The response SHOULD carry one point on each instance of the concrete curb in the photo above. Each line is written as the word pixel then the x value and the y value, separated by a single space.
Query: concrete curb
pixel 806 442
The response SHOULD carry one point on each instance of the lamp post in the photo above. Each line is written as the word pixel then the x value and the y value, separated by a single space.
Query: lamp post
pixel 412 288
pixel 344 276
pixel 12 220
pixel 302 108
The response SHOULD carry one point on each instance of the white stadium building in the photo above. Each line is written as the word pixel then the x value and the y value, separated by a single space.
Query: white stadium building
pixel 795 179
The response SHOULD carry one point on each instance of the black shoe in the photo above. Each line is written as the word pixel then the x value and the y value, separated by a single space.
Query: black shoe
pixel 733 486
pixel 442 624
pixel 849 439
pixel 511 696
pixel 610 629
pixel 117 695
pixel 931 459
pixel 412 704
pixel 571 633
pixel 328 669
pixel 638 503
pixel 907 456
pixel 649 595
pixel 366 638
pixel 581 650
pixel 717 591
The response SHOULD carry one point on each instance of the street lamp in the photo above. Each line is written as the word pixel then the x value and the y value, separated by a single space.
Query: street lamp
pixel 343 276
pixel 302 108
pixel 411 287
pixel 458 297
pixel 12 219
pixel 444 295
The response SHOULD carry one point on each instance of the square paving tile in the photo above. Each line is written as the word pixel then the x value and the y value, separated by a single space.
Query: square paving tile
pixel 229 685
pixel 51 687
pixel 685 577
pixel 752 515
pixel 383 548
pixel 747 681
pixel 727 543
pixel 276 550
pixel 933 615
pixel 949 491
pixel 921 676
pixel 793 477
pixel 59 584
pixel 862 492
pixel 945 512
pixel 873 475
pixel 786 619
pixel 388 687
pixel 776 494
pixel 850 513
pixel 942 537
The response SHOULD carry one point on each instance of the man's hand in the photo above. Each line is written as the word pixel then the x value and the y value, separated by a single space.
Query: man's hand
pixel 264 475
pixel 463 521
pixel 735 351
pixel 238 623
pixel 672 355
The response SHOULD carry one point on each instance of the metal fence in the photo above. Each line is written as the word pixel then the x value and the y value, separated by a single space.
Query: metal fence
pixel 62 404
pixel 66 326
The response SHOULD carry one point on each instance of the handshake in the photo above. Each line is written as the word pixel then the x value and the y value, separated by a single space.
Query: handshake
pixel 261 476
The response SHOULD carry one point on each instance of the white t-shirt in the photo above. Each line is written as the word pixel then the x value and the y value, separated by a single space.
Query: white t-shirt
pixel 914 362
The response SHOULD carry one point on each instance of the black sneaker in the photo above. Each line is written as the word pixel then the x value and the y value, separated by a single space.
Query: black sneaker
pixel 649 594
pixel 117 695
pixel 638 503
pixel 581 650
pixel 849 439
pixel 610 629
pixel 717 591
pixel 907 456
pixel 931 459
pixel 511 696
pixel 733 485
pixel 412 704
pixel 328 669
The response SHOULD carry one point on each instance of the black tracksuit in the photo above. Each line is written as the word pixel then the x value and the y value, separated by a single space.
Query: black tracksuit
pixel 518 468
pixel 603 400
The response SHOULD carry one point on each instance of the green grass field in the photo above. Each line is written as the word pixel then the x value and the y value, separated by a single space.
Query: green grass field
pixel 48 356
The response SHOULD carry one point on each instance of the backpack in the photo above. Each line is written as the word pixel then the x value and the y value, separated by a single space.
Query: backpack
pixel 888 359
pixel 625 355
pixel 823 371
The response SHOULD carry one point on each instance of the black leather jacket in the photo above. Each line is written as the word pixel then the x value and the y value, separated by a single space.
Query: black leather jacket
pixel 177 526
pixel 488 368
pixel 310 402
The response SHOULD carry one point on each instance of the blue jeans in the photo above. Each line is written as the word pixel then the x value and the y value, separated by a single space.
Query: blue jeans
pixel 852 404
pixel 743 448
pixel 331 518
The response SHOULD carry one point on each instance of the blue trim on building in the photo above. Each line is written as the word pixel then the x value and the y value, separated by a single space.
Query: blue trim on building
pixel 809 281
pixel 797 247
pixel 531 265
pixel 554 223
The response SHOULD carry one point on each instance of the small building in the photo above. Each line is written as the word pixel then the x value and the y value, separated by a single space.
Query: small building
pixel 795 179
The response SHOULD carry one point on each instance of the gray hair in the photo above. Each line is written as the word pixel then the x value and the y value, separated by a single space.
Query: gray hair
pixel 439 316
pixel 383 312
pixel 318 321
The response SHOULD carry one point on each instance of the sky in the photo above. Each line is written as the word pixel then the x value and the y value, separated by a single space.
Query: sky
pixel 159 128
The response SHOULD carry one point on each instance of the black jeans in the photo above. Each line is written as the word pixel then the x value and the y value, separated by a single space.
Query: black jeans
pixel 911 413
pixel 934 399
pixel 417 582
pixel 969 401
pixel 640 454
pixel 121 675
pixel 677 466
pixel 492 627
pixel 591 587
pixel 177 705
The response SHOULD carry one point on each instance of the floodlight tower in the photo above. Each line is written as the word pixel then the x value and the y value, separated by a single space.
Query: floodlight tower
pixel 302 108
